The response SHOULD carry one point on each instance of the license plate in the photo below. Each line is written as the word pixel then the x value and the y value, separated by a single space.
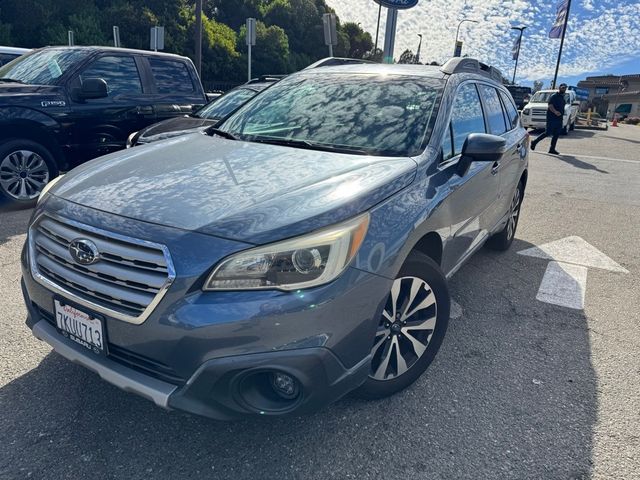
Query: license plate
pixel 80 327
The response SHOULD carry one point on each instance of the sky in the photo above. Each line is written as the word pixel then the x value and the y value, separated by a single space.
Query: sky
pixel 603 36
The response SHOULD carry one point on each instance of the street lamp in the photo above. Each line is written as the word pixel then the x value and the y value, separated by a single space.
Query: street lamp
pixel 417 59
pixel 517 53
pixel 455 47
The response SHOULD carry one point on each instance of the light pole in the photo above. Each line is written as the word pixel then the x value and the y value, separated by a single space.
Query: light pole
pixel 455 47
pixel 517 53
pixel 375 48
pixel 417 60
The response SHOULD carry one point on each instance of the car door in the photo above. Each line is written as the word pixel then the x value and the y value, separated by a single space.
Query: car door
pixel 469 207
pixel 515 155
pixel 101 125
pixel 497 125
pixel 175 90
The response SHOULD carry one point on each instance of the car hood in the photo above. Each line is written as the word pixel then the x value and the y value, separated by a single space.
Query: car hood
pixel 16 93
pixel 172 128
pixel 244 191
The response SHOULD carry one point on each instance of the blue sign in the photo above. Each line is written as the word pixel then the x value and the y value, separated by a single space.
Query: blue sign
pixel 397 4
pixel 581 93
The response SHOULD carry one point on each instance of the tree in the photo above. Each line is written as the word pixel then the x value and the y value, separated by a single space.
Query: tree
pixel 271 52
pixel 537 85
pixel 407 57
pixel 360 43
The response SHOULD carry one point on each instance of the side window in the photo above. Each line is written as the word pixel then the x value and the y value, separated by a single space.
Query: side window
pixel 171 76
pixel 494 113
pixel 6 58
pixel 447 145
pixel 512 113
pixel 466 116
pixel 120 73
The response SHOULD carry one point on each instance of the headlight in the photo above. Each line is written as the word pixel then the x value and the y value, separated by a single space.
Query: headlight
pixel 526 111
pixel 301 262
pixel 131 140
pixel 47 187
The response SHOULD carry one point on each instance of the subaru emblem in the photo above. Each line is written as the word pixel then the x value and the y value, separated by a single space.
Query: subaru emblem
pixel 83 251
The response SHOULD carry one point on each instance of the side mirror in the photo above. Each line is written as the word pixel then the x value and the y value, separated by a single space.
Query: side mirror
pixel 93 88
pixel 480 147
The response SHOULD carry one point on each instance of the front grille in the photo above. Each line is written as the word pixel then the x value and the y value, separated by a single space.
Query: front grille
pixel 129 359
pixel 126 283
pixel 539 111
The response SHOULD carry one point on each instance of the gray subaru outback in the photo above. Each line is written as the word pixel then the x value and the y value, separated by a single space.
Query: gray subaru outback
pixel 294 253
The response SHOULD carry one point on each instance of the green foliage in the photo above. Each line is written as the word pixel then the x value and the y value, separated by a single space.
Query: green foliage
pixel 289 32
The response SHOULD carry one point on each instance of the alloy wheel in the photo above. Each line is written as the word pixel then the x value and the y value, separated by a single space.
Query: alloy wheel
pixel 405 329
pixel 23 174
pixel 514 211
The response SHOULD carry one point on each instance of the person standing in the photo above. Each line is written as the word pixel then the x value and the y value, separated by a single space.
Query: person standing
pixel 555 114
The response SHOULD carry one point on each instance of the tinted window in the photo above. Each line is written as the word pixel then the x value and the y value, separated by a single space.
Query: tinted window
pixel 494 112
pixel 466 116
pixel 512 113
pixel 378 114
pixel 227 103
pixel 43 67
pixel 447 145
pixel 6 58
pixel 171 76
pixel 120 73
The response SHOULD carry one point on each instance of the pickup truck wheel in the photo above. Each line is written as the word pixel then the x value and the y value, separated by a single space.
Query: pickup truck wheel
pixel 25 168
pixel 565 130
pixel 504 238
pixel 410 330
pixel 572 126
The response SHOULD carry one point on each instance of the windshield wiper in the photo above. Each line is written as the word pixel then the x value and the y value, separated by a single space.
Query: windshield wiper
pixel 11 80
pixel 220 133
pixel 308 145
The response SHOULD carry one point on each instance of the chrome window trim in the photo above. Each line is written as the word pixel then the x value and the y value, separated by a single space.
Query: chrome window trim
pixel 54 287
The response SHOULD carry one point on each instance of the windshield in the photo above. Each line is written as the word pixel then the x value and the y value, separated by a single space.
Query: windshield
pixel 43 67
pixel 373 114
pixel 227 103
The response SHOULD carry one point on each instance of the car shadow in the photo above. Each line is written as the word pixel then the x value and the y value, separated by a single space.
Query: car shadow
pixel 512 394
pixel 619 139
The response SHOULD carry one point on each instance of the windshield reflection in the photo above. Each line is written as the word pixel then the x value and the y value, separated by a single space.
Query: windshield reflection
pixel 42 67
pixel 376 114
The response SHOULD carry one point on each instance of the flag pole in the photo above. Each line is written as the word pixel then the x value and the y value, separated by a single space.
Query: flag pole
pixel 564 30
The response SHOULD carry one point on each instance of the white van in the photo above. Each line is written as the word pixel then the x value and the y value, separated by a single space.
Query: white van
pixel 534 113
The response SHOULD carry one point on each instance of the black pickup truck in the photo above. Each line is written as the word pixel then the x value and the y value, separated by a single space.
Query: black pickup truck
pixel 61 106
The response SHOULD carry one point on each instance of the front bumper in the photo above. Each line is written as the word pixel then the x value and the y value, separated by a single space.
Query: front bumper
pixel 224 388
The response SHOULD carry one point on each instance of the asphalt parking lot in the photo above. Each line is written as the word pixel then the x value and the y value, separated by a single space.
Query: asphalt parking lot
pixel 521 388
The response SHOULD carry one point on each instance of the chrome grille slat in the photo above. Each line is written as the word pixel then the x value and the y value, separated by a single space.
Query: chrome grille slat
pixel 93 285
pixel 107 247
pixel 126 283
pixel 108 271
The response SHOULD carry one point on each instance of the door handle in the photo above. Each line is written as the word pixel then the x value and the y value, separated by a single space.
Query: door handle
pixel 495 168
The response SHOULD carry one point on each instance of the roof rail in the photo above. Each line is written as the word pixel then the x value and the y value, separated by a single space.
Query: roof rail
pixel 266 78
pixel 471 65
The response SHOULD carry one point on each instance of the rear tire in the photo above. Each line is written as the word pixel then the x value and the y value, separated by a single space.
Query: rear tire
pixel 25 168
pixel 410 330
pixel 502 240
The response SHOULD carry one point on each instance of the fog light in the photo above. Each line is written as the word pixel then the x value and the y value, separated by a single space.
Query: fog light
pixel 285 385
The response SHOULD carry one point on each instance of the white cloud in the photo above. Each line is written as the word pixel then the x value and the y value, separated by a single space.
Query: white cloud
pixel 596 38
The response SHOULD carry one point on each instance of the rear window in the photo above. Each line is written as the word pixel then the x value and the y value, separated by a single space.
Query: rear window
pixel 171 76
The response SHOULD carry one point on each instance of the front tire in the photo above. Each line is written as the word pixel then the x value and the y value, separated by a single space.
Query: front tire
pixel 25 168
pixel 410 330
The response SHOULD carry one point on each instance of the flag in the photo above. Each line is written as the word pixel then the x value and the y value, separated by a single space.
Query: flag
pixel 516 48
pixel 561 17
